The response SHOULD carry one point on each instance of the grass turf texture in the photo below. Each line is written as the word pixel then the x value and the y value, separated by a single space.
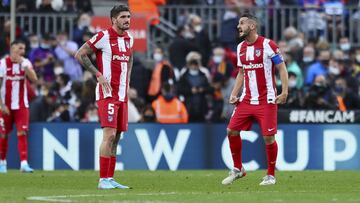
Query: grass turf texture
pixel 181 186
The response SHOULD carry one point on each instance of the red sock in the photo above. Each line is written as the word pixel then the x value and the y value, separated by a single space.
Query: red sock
pixel 112 167
pixel 104 166
pixel 235 147
pixel 22 146
pixel 271 152
pixel 3 148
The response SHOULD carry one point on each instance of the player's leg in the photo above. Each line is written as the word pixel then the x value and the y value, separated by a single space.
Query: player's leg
pixel 5 129
pixel 108 120
pixel 240 120
pixel 121 127
pixel 267 118
pixel 21 118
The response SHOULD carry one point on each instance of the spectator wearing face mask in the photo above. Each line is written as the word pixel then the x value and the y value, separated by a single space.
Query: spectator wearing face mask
pixel 65 51
pixel 345 46
pixel 44 59
pixel 83 26
pixel 201 37
pixel 346 99
pixel 162 73
pixel 292 66
pixel 194 86
pixel 91 114
pixel 356 63
pixel 295 99
pixel 320 96
pixel 308 57
pixel 218 63
pixel 318 68
pixel 180 47
pixel 168 108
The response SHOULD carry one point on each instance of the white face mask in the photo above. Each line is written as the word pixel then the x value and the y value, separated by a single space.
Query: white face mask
pixel 45 46
pixel 198 28
pixel 193 72
pixel 334 70
pixel 345 47
pixel 357 57
pixel 58 70
pixel 62 42
pixel 34 45
pixel 188 35
pixel 158 57
pixel 93 118
pixel 308 59
pixel 217 58
pixel 292 83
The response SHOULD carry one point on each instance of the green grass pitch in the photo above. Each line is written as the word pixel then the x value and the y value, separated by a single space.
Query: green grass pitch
pixel 180 186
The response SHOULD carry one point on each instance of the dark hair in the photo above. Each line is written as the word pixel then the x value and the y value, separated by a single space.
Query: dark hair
pixel 249 16
pixel 17 41
pixel 117 9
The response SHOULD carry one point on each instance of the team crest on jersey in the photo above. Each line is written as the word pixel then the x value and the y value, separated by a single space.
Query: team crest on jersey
pixel 110 118
pixel 257 52
pixel 127 44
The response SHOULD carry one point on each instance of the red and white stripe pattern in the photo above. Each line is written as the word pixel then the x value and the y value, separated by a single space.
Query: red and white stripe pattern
pixel 113 53
pixel 14 91
pixel 259 70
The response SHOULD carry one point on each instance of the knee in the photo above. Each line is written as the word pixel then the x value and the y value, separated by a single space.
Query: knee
pixel 269 139
pixel 109 135
pixel 231 132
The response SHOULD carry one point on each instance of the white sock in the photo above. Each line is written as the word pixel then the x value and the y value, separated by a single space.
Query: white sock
pixel 3 162
pixel 102 179
pixel 24 163
pixel 111 178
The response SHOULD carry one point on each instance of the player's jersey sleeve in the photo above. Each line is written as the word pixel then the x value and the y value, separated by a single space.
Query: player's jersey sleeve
pixel 97 42
pixel 239 64
pixel 131 40
pixel 273 52
pixel 27 63
pixel 2 68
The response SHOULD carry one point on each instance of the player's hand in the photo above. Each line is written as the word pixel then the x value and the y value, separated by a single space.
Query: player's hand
pixel 104 84
pixel 281 99
pixel 5 110
pixel 233 99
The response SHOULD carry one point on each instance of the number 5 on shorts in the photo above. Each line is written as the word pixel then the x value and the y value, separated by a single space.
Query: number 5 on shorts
pixel 111 109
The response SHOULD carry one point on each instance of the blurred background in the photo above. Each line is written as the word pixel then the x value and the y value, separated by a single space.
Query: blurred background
pixel 185 68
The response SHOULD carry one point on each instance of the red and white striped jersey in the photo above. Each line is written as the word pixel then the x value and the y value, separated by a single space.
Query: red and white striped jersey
pixel 259 70
pixel 113 53
pixel 14 92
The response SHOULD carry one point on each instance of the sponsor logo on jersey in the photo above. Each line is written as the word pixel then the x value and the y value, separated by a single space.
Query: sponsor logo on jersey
pixel 120 58
pixel 252 66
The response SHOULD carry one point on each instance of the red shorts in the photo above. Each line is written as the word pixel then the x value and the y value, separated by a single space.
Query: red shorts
pixel 20 117
pixel 113 114
pixel 244 114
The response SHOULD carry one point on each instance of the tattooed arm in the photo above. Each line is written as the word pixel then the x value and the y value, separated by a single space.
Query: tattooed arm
pixel 82 55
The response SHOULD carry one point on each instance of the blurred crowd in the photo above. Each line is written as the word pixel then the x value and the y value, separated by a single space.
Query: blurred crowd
pixel 189 80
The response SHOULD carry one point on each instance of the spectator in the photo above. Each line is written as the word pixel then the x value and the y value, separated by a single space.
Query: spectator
pixel 133 112
pixel 5 37
pixel 25 6
pixel 320 95
pixel 84 6
pixel 229 31
pixel 194 86
pixel 148 115
pixel 201 38
pixel 180 47
pixel 41 108
pixel 345 98
pixel 345 46
pixel 49 6
pixel 296 97
pixel 34 41
pixel 197 57
pixel 318 68
pixel 140 78
pixel 91 114
pixel 43 59
pixel 308 57
pixel 168 108
pixel 65 51
pixel 292 66
pixel 82 27
pixel 64 85
pixel 218 64
pixel 163 72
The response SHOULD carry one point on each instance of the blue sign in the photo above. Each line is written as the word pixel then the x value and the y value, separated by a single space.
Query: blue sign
pixel 192 146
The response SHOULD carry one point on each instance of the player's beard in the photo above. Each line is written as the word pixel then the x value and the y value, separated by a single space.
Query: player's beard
pixel 245 34
pixel 123 27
